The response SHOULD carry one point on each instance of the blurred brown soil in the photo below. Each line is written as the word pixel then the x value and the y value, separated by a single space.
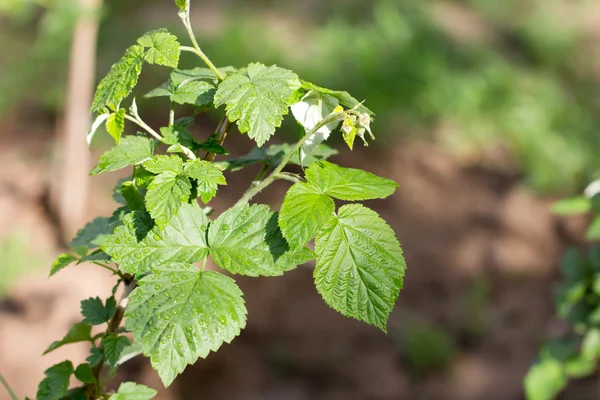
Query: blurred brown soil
pixel 462 227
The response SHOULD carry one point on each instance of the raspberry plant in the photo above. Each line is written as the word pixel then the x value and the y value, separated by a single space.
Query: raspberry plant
pixel 159 239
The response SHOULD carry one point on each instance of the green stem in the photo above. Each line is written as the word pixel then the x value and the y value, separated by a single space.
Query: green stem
pixel 255 189
pixel 185 17
pixel 142 124
pixel 12 394
pixel 221 134
pixel 114 271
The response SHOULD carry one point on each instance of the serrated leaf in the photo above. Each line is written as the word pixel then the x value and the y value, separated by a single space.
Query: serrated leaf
pixel 84 373
pixel 94 233
pixel 61 262
pixel 56 383
pixel 97 255
pixel 303 213
pixel 131 150
pixel 182 240
pixel 180 314
pixel 120 80
pixel 115 124
pixel 164 90
pixel 96 356
pixel 246 240
pixel 178 134
pixel 360 266
pixel 198 93
pixel 344 98
pixel 133 391
pixel 133 198
pixel 257 99
pixel 163 48
pixel 208 177
pixel 167 192
pixel 113 346
pixel 95 312
pixel 348 183
pixel 161 163
pixel 80 332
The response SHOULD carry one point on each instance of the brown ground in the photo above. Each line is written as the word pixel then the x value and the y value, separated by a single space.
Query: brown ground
pixel 481 250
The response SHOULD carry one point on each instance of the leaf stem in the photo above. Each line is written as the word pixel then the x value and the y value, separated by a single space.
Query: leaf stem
pixel 142 124
pixel 114 271
pixel 255 189
pixel 11 393
pixel 221 134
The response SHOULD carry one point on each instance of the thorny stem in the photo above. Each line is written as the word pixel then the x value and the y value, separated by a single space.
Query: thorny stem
pixel 255 189
pixel 185 17
pixel 221 134
pixel 113 327
pixel 11 393
pixel 142 124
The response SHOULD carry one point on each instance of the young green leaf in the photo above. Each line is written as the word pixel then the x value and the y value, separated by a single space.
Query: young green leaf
pixel 359 265
pixel 97 255
pixel 164 90
pixel 303 213
pixel 208 177
pixel 113 346
pixel 178 134
pixel 348 183
pixel 115 124
pixel 182 240
pixel 120 80
pixel 343 97
pixel 257 99
pixel 179 314
pixel 545 380
pixel 161 163
pixel 162 48
pixel 96 356
pixel 132 150
pixel 167 192
pixel 197 93
pixel 80 332
pixel 132 196
pixel 61 262
pixel 56 383
pixel 95 312
pixel 133 391
pixel 84 373
pixel 182 4
pixel 246 240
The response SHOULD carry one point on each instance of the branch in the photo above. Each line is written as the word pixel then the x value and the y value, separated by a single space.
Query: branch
pixel 255 189
pixel 142 124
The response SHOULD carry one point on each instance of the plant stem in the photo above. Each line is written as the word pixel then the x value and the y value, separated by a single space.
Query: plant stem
pixel 142 124
pixel 196 49
pixel 255 189
pixel 172 114
pixel 114 271
pixel 12 394
pixel 221 134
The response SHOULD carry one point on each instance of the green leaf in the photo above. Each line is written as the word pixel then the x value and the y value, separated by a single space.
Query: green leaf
pixel 132 196
pixel 593 232
pixel 179 76
pixel 579 367
pixel 348 183
pixel 179 314
pixel 359 265
pixel 163 48
pixel 115 124
pixel 212 145
pixel 246 240
pixel 84 373
pixel 545 380
pixel 61 262
pixel 343 97
pixel 572 206
pixel 590 347
pixel 95 312
pixel 198 93
pixel 182 240
pixel 133 391
pixel 303 213
pixel 256 155
pixel 208 177
pixel 574 265
pixel 80 332
pixel 97 255
pixel 178 134
pixel 56 383
pixel 182 4
pixel 96 356
pixel 100 119
pixel 160 164
pixel 277 152
pixel 94 233
pixel 165 90
pixel 113 346
pixel 132 150
pixel 257 99
pixel 167 192
pixel 120 80
pixel 129 352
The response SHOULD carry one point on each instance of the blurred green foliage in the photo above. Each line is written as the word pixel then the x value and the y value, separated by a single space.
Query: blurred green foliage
pixel 517 85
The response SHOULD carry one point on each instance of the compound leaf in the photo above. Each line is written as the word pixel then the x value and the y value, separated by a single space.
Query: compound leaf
pixel 179 314
pixel 133 391
pixel 257 98
pixel 131 150
pixel 359 265
pixel 56 383
pixel 182 240
pixel 167 192
pixel 162 48
pixel 303 213
pixel 348 183
pixel 97 313
pixel 80 332
pixel 208 177
pixel 120 80
pixel 61 262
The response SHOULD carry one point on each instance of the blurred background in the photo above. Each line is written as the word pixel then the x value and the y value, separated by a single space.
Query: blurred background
pixel 487 111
